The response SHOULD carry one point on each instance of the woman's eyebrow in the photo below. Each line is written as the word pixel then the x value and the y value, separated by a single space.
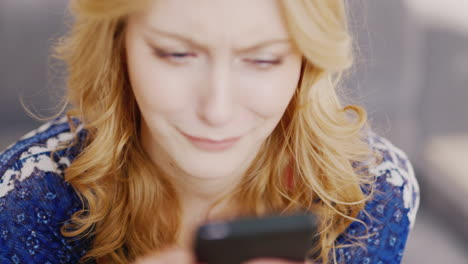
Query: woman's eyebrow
pixel 199 45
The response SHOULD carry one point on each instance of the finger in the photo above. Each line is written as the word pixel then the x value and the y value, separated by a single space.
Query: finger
pixel 271 261
pixel 168 256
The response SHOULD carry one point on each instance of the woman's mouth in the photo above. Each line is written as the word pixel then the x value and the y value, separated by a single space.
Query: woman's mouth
pixel 210 145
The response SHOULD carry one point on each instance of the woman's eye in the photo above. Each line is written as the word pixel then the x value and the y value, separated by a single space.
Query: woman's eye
pixel 173 56
pixel 178 55
pixel 265 63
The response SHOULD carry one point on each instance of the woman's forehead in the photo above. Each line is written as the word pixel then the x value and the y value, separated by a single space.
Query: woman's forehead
pixel 243 22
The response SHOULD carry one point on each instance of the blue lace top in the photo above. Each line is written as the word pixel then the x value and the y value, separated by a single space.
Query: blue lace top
pixel 35 201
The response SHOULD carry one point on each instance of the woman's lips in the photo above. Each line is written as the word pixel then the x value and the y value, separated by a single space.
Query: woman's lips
pixel 212 145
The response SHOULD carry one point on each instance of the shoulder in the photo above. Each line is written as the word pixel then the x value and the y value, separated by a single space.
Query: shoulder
pixel 32 153
pixel 35 200
pixel 395 178
pixel 389 215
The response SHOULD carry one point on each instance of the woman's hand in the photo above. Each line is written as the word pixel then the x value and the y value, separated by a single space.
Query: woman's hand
pixel 168 256
pixel 271 261
pixel 183 256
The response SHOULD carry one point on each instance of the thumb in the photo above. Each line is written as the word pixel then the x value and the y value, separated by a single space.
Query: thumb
pixel 168 256
pixel 271 261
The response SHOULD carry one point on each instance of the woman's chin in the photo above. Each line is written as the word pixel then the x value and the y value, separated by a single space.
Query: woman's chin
pixel 209 172
pixel 231 163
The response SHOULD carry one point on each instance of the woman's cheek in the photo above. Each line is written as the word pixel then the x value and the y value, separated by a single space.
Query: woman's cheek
pixel 270 97
pixel 163 90
pixel 269 92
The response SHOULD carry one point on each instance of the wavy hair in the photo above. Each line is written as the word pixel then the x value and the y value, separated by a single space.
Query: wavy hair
pixel 316 142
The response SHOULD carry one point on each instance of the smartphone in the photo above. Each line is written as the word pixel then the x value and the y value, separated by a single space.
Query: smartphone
pixel 289 237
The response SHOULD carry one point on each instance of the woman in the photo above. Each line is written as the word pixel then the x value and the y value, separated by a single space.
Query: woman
pixel 189 111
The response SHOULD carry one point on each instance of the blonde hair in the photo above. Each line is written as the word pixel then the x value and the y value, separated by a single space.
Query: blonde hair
pixel 131 209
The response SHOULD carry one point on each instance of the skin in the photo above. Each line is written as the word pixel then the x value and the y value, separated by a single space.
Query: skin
pixel 180 256
pixel 210 69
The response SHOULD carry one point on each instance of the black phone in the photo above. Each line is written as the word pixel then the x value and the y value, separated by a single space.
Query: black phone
pixel 289 237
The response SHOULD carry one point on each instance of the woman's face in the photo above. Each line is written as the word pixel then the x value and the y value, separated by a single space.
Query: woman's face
pixel 212 79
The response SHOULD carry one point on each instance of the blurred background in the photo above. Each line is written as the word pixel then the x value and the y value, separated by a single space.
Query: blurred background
pixel 411 74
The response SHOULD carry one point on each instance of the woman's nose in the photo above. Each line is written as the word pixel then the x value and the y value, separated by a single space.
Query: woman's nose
pixel 217 102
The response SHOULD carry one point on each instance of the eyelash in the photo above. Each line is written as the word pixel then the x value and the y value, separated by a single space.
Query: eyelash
pixel 266 62
pixel 181 55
